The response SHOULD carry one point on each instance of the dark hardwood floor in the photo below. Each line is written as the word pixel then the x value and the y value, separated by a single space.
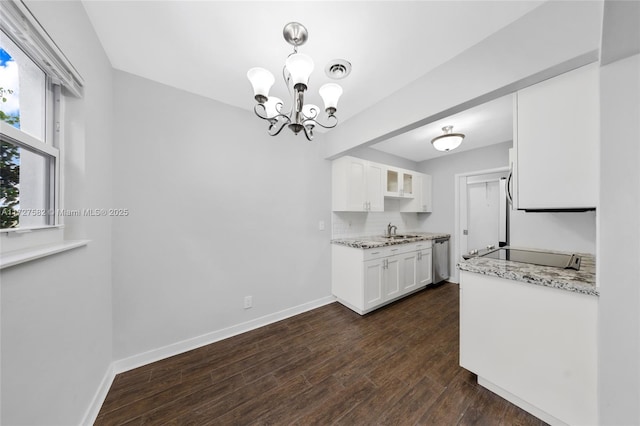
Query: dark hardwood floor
pixel 397 365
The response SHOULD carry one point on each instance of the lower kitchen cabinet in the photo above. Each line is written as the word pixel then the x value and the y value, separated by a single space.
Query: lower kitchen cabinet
pixel 409 274
pixel 424 267
pixel 365 279
pixel 381 281
pixel 533 345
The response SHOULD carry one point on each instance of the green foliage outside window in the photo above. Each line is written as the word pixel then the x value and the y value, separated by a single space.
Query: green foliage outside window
pixel 9 173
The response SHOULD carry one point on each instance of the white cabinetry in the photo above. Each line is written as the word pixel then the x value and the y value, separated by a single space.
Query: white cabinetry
pixel 421 203
pixel 535 346
pixel 364 280
pixel 556 139
pixel 361 186
pixel 399 183
pixel 425 204
pixel 416 267
pixel 424 268
pixel 409 271
pixel 357 185
pixel 373 284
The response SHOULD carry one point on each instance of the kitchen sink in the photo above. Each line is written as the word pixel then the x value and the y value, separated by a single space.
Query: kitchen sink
pixel 400 237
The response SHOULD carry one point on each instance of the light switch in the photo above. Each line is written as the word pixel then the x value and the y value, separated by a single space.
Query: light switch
pixel 321 225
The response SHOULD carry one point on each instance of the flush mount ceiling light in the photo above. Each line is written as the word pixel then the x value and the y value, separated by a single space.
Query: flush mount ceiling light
pixel 296 72
pixel 448 141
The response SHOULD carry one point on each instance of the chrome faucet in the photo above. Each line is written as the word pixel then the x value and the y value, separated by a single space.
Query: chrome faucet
pixel 390 228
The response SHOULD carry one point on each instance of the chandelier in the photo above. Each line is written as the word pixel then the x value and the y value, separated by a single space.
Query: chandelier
pixel 296 72
pixel 448 140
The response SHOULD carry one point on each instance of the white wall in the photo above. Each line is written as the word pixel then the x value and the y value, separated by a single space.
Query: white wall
pixel 619 244
pixel 219 211
pixel 56 312
pixel 554 231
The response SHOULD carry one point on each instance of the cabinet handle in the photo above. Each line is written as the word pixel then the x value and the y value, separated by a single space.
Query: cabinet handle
pixel 419 255
pixel 394 249
pixel 369 205
pixel 376 252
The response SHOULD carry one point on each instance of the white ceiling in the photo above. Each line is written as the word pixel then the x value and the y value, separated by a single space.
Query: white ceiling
pixel 484 125
pixel 206 47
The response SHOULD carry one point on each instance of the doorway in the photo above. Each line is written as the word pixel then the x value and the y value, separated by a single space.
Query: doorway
pixel 481 211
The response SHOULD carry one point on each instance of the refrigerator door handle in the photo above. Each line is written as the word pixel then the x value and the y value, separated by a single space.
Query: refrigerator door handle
pixel 509 185
pixel 504 205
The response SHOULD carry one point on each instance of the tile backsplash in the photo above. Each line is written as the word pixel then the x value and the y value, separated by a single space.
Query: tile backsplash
pixel 358 224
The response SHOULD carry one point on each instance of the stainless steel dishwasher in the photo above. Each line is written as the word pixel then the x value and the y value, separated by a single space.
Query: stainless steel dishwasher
pixel 440 260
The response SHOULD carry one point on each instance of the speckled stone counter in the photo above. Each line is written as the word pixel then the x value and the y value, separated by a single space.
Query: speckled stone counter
pixel 582 281
pixel 381 241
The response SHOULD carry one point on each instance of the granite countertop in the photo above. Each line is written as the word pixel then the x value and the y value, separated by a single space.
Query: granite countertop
pixel 380 241
pixel 582 281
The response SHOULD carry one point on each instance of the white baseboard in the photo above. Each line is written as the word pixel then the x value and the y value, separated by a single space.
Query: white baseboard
pixel 98 399
pixel 135 361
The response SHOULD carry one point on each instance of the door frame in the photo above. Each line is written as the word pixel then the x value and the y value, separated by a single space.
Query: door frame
pixel 460 210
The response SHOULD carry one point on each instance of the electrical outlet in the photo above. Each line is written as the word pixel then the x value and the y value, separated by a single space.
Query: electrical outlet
pixel 248 302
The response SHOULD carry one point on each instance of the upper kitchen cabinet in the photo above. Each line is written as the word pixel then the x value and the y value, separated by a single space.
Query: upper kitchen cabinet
pixel 421 203
pixel 556 137
pixel 357 185
pixel 399 183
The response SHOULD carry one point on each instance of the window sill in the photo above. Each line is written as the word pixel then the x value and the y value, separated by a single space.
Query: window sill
pixel 21 256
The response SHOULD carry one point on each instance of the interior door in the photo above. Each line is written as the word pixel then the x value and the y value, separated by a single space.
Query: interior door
pixel 486 212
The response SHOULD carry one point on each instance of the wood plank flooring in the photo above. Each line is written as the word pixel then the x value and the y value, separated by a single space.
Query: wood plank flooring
pixel 397 365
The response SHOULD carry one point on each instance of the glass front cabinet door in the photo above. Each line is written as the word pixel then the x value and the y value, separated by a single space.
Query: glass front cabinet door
pixel 399 183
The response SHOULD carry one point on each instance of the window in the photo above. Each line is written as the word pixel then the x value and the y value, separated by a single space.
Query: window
pixel 33 71
pixel 28 145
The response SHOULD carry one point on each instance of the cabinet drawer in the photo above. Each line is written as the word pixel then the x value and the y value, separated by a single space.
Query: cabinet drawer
pixel 379 252
pixel 420 245
pixel 376 253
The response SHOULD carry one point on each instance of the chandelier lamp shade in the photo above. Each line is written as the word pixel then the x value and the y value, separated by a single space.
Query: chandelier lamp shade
pixel 448 141
pixel 297 69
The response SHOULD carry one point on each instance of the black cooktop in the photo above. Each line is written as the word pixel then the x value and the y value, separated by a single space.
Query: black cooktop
pixel 558 260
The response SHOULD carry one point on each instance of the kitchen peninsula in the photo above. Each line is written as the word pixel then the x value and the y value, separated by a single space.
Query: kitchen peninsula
pixel 530 334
